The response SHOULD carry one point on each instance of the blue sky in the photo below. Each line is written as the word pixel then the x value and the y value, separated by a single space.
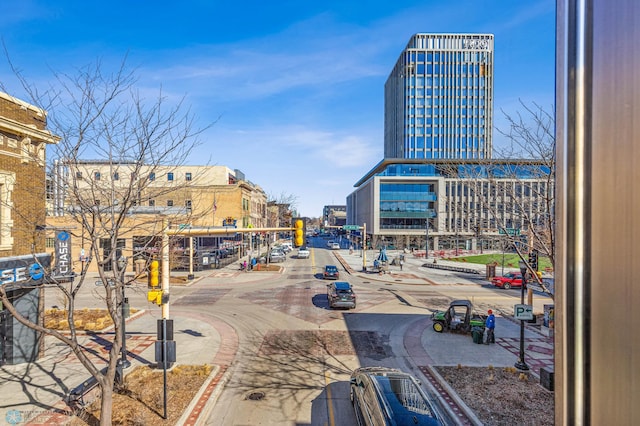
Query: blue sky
pixel 295 88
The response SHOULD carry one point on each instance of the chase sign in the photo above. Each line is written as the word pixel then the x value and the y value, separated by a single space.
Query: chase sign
pixel 17 271
pixel 63 254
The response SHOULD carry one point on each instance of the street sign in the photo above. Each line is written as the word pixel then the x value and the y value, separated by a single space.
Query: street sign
pixel 523 312
pixel 510 231
pixel 351 227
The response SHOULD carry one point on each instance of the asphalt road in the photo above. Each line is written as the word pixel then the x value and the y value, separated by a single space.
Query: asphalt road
pixel 295 355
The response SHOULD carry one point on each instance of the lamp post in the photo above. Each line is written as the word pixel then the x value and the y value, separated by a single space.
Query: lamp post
pixel 124 363
pixel 521 364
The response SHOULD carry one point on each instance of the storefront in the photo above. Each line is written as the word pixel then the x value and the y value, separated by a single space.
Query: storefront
pixel 22 278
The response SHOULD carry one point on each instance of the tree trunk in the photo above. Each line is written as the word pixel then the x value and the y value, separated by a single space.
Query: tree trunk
pixel 106 407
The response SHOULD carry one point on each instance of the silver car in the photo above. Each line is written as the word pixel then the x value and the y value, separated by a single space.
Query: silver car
pixel 277 256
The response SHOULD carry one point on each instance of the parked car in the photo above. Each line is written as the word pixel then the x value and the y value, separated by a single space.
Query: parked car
pixel 387 396
pixel 512 279
pixel 331 272
pixel 341 295
pixel 330 243
pixel 303 253
pixel 287 247
pixel 277 256
pixel 335 246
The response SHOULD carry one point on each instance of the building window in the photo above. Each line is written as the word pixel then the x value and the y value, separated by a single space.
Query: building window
pixel 96 175
pixel 7 181
pixel 50 243
pixel 152 176
pixel 116 176
pixel 169 203
pixel 152 203
pixel 78 175
pixel 170 176
pixel 187 176
pixel 187 204
pixel 96 202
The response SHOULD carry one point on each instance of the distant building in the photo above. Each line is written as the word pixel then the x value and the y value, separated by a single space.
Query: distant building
pixel 438 99
pixel 457 204
pixel 334 215
pixel 437 181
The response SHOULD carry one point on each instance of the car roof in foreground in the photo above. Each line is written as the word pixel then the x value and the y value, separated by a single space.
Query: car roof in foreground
pixel 401 395
pixel 330 267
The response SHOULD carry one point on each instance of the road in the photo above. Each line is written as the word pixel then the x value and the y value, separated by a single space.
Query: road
pixel 295 355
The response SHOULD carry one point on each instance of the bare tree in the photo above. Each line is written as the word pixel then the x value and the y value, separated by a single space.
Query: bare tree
pixel 102 115
pixel 284 208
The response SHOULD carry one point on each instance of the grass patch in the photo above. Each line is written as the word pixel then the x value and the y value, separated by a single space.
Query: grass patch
pixel 511 260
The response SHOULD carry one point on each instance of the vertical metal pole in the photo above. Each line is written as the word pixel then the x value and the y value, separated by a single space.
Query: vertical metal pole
pixel 364 247
pixel 191 257
pixel 165 270
pixel 521 363
pixel 426 243
pixel 164 365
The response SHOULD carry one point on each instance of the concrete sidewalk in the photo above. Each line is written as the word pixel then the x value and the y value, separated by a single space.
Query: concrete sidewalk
pixel 34 393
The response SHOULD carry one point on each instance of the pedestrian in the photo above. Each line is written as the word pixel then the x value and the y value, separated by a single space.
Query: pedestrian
pixel 490 324
pixel 401 263
pixel 244 266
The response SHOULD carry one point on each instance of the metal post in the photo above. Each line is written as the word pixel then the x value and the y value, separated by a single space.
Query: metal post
pixel 165 270
pixel 364 247
pixel 521 363
pixel 426 243
pixel 164 366
pixel 124 363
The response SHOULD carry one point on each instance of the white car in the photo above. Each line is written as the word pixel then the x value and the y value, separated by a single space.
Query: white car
pixel 335 246
pixel 303 253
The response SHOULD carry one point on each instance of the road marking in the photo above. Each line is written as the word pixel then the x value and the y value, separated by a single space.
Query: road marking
pixel 332 420
pixel 224 274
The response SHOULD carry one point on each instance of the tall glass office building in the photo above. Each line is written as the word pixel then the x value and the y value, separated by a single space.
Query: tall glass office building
pixel 439 98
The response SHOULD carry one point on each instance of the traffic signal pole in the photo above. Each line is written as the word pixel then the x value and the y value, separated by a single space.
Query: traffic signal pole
pixel 165 270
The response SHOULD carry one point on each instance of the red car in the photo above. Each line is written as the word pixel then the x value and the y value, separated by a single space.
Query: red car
pixel 512 279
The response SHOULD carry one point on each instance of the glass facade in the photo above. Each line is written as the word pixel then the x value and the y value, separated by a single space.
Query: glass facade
pixel 439 98
pixel 406 205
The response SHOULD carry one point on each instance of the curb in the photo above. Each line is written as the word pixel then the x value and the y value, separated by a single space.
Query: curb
pixel 210 403
pixel 454 396
pixel 196 398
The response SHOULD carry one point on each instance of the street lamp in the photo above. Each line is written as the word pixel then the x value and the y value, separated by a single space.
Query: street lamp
pixel 521 364
pixel 124 363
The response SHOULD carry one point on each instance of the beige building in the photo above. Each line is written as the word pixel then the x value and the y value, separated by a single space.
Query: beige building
pixel 211 197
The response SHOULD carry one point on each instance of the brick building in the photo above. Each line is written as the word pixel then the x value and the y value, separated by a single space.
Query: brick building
pixel 23 141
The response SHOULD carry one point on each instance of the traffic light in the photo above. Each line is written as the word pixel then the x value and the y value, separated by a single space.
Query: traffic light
pixel 299 231
pixel 154 274
pixel 533 259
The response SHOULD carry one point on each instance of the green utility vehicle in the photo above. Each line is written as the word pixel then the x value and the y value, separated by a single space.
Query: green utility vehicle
pixel 459 317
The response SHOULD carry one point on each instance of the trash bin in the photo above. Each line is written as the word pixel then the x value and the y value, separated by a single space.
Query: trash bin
pixel 477 334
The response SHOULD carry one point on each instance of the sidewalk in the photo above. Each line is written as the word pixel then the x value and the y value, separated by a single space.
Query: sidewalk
pixel 34 393
pixel 430 347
